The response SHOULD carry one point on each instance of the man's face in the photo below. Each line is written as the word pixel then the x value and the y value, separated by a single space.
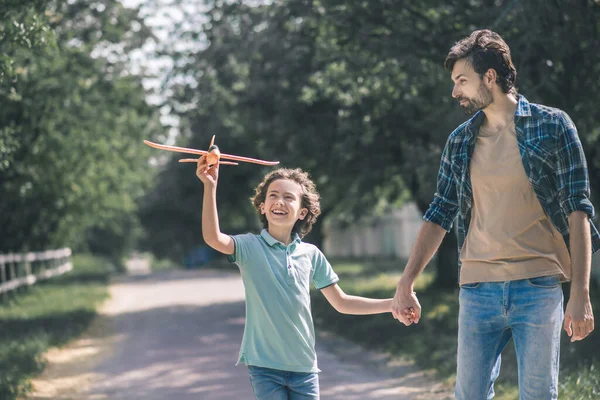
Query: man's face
pixel 469 88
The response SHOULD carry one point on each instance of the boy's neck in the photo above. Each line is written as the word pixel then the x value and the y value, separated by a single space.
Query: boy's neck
pixel 282 234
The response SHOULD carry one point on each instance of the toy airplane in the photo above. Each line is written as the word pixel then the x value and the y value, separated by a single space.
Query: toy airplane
pixel 213 155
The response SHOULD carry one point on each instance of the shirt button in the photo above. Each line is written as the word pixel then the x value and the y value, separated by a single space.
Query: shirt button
pixel 289 267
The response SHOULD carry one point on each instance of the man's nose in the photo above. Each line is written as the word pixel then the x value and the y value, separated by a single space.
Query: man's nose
pixel 455 93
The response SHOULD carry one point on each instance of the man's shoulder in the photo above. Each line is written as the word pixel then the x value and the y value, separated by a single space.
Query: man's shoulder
pixel 541 112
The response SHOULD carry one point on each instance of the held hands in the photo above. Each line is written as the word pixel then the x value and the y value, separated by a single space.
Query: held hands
pixel 208 175
pixel 405 305
pixel 579 318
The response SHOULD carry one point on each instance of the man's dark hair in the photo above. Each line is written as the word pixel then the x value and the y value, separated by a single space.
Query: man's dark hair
pixel 484 49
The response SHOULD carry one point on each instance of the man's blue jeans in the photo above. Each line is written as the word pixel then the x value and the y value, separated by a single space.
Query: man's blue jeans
pixel 274 384
pixel 529 311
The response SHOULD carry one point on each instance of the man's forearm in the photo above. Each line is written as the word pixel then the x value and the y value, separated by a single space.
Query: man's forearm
pixel 581 252
pixel 428 241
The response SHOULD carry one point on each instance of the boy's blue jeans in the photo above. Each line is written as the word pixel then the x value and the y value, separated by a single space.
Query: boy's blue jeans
pixel 529 311
pixel 274 384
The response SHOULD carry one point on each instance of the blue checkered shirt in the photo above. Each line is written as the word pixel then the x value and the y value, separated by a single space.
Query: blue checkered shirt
pixel 554 163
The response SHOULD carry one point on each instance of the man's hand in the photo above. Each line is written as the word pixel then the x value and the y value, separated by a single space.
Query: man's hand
pixel 405 305
pixel 208 176
pixel 579 317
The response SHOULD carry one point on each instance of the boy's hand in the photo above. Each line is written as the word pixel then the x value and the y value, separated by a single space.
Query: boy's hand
pixel 409 315
pixel 208 176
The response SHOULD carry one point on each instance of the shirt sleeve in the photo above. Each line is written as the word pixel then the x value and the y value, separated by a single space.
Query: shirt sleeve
pixel 571 170
pixel 242 248
pixel 444 208
pixel 323 274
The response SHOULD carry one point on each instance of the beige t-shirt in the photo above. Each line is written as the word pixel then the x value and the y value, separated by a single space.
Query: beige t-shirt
pixel 510 237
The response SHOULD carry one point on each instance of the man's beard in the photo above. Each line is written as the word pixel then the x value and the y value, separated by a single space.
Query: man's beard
pixel 483 99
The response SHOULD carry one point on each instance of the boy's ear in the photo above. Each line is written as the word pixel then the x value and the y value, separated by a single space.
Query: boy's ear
pixel 262 208
pixel 303 213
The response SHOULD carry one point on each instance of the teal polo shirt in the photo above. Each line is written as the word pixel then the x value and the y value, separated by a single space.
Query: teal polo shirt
pixel 279 331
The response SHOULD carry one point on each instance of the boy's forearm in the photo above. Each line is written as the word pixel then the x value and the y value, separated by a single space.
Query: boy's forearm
pixel 357 305
pixel 581 252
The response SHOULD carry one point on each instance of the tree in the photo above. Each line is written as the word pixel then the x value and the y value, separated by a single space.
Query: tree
pixel 75 119
pixel 356 93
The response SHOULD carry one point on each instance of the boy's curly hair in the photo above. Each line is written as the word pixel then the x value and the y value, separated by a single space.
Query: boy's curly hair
pixel 309 197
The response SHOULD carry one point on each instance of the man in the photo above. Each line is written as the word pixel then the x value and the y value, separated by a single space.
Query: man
pixel 516 177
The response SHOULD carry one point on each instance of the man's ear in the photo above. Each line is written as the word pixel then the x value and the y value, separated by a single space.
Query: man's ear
pixel 490 77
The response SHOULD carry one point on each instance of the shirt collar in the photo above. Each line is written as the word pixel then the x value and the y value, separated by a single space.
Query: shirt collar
pixel 523 110
pixel 523 107
pixel 271 241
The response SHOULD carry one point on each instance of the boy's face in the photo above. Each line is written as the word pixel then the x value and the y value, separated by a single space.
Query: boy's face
pixel 469 89
pixel 283 203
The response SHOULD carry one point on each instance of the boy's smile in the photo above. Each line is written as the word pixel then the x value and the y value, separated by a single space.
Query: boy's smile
pixel 283 203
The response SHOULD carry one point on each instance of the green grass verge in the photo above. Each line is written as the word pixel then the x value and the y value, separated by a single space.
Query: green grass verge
pixel 45 315
pixel 432 342
pixel 157 264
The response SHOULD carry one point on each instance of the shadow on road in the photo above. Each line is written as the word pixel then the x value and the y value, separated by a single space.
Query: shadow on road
pixel 176 335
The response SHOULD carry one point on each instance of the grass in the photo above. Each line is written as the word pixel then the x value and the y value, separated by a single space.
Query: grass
pixel 432 343
pixel 157 264
pixel 46 315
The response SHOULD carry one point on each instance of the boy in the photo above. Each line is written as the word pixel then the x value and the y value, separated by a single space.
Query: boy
pixel 277 267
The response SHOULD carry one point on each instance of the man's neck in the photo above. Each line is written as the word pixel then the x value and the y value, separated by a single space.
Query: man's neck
pixel 501 113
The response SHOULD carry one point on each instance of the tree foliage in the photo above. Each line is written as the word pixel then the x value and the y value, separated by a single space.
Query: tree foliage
pixel 73 119
pixel 355 93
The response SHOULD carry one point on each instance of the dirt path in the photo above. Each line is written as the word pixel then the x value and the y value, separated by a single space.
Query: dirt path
pixel 176 334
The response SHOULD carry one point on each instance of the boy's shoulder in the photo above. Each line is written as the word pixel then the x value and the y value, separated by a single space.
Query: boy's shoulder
pixel 309 248
pixel 246 237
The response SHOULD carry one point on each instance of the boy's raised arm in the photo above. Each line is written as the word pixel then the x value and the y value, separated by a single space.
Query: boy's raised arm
pixel 210 218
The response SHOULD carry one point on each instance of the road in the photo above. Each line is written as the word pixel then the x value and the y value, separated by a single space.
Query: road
pixel 176 334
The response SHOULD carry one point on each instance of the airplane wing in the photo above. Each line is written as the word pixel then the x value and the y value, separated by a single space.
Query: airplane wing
pixel 248 159
pixel 175 148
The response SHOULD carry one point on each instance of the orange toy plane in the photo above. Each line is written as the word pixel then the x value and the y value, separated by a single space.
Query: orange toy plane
pixel 213 155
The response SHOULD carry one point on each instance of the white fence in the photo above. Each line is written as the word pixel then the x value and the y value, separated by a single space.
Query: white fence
pixel 390 235
pixel 18 270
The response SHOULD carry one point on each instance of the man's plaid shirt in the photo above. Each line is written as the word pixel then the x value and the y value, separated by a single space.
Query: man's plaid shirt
pixel 553 159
